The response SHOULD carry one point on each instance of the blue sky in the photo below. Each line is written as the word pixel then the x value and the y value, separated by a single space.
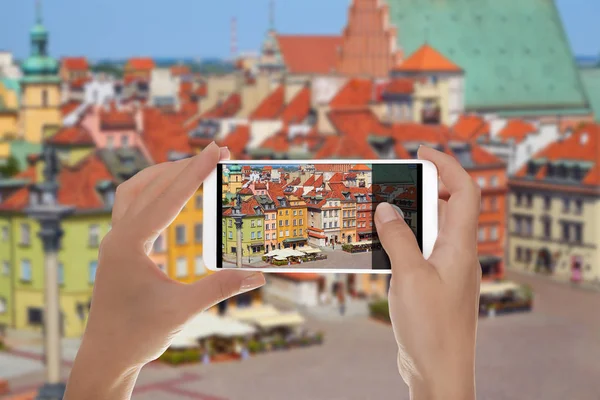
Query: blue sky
pixel 201 28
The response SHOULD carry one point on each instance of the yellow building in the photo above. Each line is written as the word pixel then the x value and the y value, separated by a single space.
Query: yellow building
pixel 553 209
pixel 292 219
pixel 9 115
pixel 40 88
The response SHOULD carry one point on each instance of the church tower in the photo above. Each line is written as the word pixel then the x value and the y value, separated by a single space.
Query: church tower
pixel 40 86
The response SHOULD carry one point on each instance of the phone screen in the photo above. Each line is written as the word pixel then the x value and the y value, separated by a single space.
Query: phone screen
pixel 317 216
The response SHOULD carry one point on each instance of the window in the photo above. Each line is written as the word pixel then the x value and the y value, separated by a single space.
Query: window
pixel 280 213
pixel 230 235
pixel 2 305
pixel 565 232
pixel 519 254
pixel 25 234
pixel 519 199
pixel 301 212
pixel 94 235
pixel 294 233
pixel 110 141
pixel 529 200
pixel 330 224
pixel 5 268
pixel 34 316
pixel 26 270
pixel 481 234
pixel 300 234
pixel 578 228
pixel 547 228
pixel 494 233
pixel 579 206
pixel 287 222
pixel 181 267
pixel 267 236
pixel 294 222
pixel 198 233
pixel 295 213
pixel 529 226
pixel 287 212
pixel 230 223
pixel 566 204
pixel 252 235
pixel 528 255
pixel 199 266
pixel 494 181
pixel 281 234
pixel 198 202
pixel 259 234
pixel 252 224
pixel 273 226
pixel 5 233
pixel 93 268
pixel 547 202
pixel 44 98
pixel 287 233
pixel 61 274
pixel 124 141
pixel 259 222
pixel 481 181
pixel 180 234
pixel 280 222
pixel 493 204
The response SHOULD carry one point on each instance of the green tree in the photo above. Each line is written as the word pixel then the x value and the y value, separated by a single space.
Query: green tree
pixel 11 168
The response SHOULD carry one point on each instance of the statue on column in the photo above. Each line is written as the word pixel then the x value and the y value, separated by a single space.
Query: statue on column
pixel 51 164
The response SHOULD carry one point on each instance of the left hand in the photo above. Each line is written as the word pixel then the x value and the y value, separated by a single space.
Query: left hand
pixel 136 309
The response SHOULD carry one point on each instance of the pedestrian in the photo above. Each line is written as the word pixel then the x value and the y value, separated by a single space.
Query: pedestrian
pixel 341 299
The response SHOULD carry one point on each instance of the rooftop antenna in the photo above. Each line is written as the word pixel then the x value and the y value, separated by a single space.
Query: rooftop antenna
pixel 272 15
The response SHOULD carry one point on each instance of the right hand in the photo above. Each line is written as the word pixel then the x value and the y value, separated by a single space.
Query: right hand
pixel 434 303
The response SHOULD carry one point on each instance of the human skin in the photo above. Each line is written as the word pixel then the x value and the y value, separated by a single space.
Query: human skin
pixel 136 309
pixel 434 303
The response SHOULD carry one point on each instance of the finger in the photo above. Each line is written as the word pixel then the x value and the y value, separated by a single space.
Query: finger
pixel 217 287
pixel 397 239
pixel 442 206
pixel 160 212
pixel 129 190
pixel 464 203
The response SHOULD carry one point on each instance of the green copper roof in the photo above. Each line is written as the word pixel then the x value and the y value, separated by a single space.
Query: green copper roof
pixel 38 31
pixel 591 82
pixel 514 52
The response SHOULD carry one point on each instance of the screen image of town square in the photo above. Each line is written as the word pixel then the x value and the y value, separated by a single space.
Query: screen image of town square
pixel 311 215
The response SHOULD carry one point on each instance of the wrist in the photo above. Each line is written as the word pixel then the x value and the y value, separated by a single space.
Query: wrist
pixel 98 374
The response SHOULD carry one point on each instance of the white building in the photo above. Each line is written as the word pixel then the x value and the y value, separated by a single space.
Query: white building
pixel 164 88
pixel 8 67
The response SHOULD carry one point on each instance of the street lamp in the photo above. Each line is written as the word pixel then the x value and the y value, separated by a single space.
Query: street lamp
pixel 45 209
pixel 236 212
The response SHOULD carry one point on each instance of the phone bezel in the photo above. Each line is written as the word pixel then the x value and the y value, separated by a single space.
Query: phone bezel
pixel 429 210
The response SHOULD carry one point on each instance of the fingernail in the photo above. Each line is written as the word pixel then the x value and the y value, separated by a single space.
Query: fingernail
pixel 252 281
pixel 386 213
pixel 225 154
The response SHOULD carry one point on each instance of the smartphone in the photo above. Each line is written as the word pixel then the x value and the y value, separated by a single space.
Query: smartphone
pixel 313 216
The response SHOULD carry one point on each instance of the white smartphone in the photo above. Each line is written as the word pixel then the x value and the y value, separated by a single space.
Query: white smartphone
pixel 313 216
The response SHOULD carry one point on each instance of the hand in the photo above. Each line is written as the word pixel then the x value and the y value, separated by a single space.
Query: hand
pixel 136 309
pixel 434 303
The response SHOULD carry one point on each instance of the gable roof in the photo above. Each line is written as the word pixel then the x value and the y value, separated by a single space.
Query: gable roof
pixel 356 92
pixel 427 59
pixel 76 135
pixel 272 106
pixel 75 63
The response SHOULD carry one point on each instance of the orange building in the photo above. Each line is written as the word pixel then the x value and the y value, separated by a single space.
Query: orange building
pixel 138 68
pixel 74 69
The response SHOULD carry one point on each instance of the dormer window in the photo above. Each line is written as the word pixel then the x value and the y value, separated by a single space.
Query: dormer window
pixel 532 169
pixel 550 171
pixel 109 198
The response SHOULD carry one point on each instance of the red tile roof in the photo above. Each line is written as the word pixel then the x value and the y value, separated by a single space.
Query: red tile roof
pixel 116 119
pixel 517 130
pixel 427 59
pixel 75 63
pixel 481 156
pixel 361 167
pixel 69 107
pixel 140 64
pixel 272 106
pixel 309 54
pixel 237 140
pixel 225 109
pixel 400 86
pixel 72 135
pixel 355 93
pixel 470 127
pixel 298 108
pixel 163 133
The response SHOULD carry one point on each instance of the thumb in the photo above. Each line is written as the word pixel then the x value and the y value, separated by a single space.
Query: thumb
pixel 219 286
pixel 397 239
